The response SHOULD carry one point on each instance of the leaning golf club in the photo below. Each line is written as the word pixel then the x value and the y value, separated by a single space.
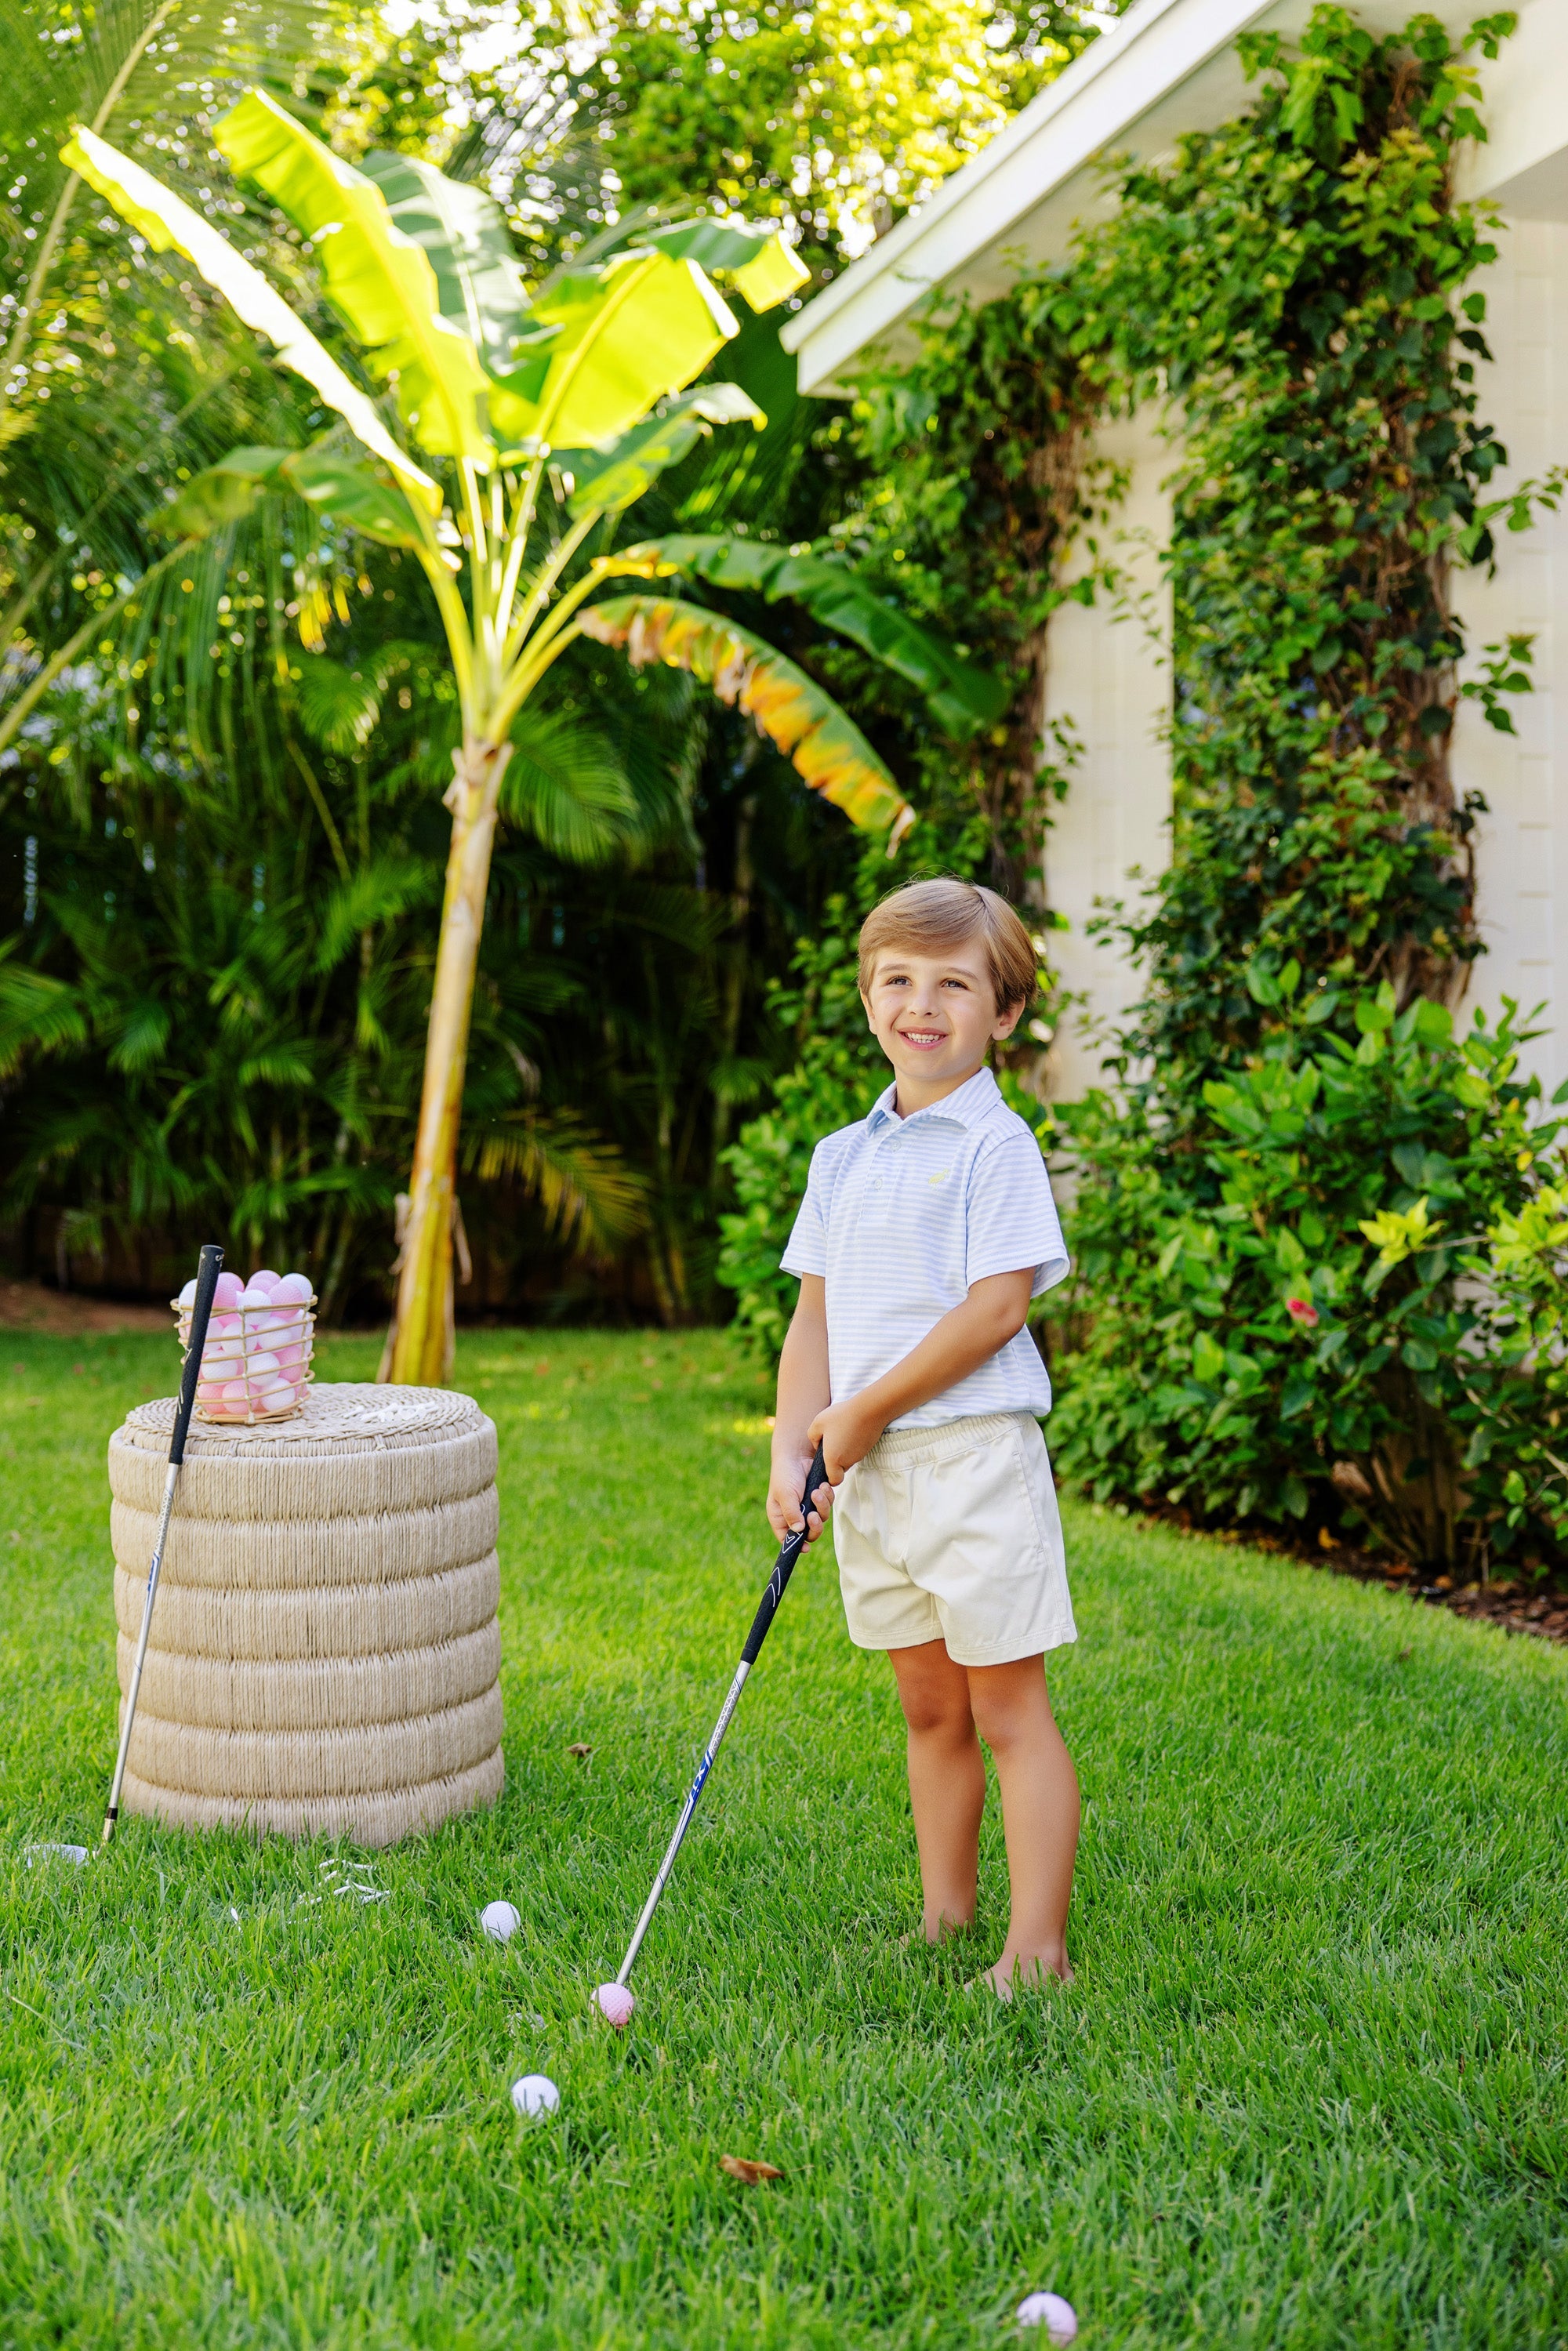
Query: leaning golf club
pixel 208 1266
pixel 614 1999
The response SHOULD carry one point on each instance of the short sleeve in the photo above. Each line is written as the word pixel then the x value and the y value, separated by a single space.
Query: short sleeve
pixel 807 1251
pixel 1011 1217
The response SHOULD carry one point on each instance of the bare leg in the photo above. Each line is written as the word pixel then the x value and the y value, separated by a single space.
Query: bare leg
pixel 946 1782
pixel 1012 1713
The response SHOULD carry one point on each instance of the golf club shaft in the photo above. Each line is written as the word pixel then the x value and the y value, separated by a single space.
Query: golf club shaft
pixel 208 1266
pixel 767 1609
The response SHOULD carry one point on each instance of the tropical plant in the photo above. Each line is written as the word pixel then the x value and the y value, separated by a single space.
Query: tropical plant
pixel 1290 1092
pixel 217 991
pixel 1344 1314
pixel 113 377
pixel 554 414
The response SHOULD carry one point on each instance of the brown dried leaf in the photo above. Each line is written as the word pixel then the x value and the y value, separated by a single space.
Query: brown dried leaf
pixel 579 1750
pixel 741 2166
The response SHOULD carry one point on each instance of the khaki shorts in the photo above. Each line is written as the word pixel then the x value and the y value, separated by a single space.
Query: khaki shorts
pixel 953 1534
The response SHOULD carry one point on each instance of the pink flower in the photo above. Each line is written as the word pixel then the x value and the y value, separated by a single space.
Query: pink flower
pixel 1302 1310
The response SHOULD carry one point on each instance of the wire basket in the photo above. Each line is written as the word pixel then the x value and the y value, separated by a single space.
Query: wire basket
pixel 256 1365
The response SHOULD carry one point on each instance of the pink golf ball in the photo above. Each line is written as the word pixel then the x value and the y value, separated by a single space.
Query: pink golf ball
pixel 1050 2311
pixel 229 1289
pixel 294 1289
pixel 615 2004
pixel 264 1280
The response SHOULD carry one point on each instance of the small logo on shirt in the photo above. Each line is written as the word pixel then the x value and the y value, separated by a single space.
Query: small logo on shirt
pixel 941 1175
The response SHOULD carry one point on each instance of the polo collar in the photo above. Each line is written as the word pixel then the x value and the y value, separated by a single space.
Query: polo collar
pixel 972 1103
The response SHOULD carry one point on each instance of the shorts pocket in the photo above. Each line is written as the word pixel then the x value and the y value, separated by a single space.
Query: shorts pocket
pixel 1048 1538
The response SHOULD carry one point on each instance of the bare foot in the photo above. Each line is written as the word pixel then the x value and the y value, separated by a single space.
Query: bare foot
pixel 1015 1971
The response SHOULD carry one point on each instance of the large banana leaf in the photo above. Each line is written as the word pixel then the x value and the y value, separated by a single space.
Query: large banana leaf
pixel 324 477
pixel 463 234
pixel 827 750
pixel 379 280
pixel 630 333
pixel 155 213
pixel 962 697
pixel 608 479
pixel 762 266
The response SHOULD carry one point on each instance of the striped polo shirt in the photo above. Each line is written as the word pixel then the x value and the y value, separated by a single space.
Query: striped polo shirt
pixel 901 1215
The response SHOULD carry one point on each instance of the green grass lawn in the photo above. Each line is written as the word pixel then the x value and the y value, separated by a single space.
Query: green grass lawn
pixel 1307 2090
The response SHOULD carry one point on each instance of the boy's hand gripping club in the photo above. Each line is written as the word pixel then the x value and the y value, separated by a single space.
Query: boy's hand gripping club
pixel 208 1266
pixel 614 1998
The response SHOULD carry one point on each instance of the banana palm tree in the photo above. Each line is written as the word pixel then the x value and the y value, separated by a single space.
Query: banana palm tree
pixel 546 418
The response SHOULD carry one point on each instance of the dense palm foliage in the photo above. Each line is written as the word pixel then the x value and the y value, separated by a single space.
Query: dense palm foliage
pixel 257 819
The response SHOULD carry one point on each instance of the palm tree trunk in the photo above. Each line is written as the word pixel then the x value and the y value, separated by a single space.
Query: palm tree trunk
pixel 420 1341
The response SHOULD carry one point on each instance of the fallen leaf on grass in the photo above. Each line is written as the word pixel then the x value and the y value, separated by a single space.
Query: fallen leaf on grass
pixel 1404 1656
pixel 580 1749
pixel 741 2166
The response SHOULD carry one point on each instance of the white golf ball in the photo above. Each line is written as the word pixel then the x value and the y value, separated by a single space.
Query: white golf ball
pixel 294 1289
pixel 253 1297
pixel 536 2094
pixel 1057 2317
pixel 188 1295
pixel 501 1921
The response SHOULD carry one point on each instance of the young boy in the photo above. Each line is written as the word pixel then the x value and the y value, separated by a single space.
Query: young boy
pixel 926 1229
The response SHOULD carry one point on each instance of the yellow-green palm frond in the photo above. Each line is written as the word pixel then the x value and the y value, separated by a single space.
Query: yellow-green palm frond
pixel 827 749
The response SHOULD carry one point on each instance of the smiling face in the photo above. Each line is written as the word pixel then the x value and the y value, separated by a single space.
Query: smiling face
pixel 934 1016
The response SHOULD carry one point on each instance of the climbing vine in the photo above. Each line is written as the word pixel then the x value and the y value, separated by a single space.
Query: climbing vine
pixel 1296 287
pixel 1319 1232
pixel 978 505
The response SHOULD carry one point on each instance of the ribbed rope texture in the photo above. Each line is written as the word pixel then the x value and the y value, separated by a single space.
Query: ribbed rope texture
pixel 325 1646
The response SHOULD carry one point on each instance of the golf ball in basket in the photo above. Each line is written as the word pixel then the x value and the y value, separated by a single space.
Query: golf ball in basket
pixel 615 2004
pixel 536 2094
pixel 1057 2317
pixel 228 1291
pixel 294 1289
pixel 266 1278
pixel 188 1295
pixel 501 1921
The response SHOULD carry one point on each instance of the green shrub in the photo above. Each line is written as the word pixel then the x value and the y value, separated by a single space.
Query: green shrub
pixel 1337 1297
pixel 838 1076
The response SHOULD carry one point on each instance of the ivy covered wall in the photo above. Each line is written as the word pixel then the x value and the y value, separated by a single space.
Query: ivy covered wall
pixel 1318 1226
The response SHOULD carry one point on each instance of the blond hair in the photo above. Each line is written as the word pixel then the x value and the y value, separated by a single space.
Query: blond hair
pixel 924 917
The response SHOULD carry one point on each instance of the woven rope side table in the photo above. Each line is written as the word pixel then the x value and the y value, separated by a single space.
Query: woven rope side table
pixel 325 1647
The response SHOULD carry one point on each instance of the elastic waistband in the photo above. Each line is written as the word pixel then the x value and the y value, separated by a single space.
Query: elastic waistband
pixel 948 1438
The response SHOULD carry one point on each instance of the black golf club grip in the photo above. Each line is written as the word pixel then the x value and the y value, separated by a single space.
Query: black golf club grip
pixel 209 1265
pixel 784 1565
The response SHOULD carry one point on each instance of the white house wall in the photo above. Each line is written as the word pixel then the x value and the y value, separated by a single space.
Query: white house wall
pixel 1109 674
pixel 1523 846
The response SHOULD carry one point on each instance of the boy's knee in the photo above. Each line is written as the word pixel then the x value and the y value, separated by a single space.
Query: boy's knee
pixel 935 1705
pixel 1005 1716
pixel 934 1715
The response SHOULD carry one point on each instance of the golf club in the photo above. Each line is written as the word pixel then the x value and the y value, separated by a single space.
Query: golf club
pixel 208 1266
pixel 614 1999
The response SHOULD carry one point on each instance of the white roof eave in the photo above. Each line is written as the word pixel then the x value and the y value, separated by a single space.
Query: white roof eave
pixel 1165 67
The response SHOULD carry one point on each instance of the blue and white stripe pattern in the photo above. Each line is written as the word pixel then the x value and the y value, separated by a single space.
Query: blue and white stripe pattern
pixel 901 1215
